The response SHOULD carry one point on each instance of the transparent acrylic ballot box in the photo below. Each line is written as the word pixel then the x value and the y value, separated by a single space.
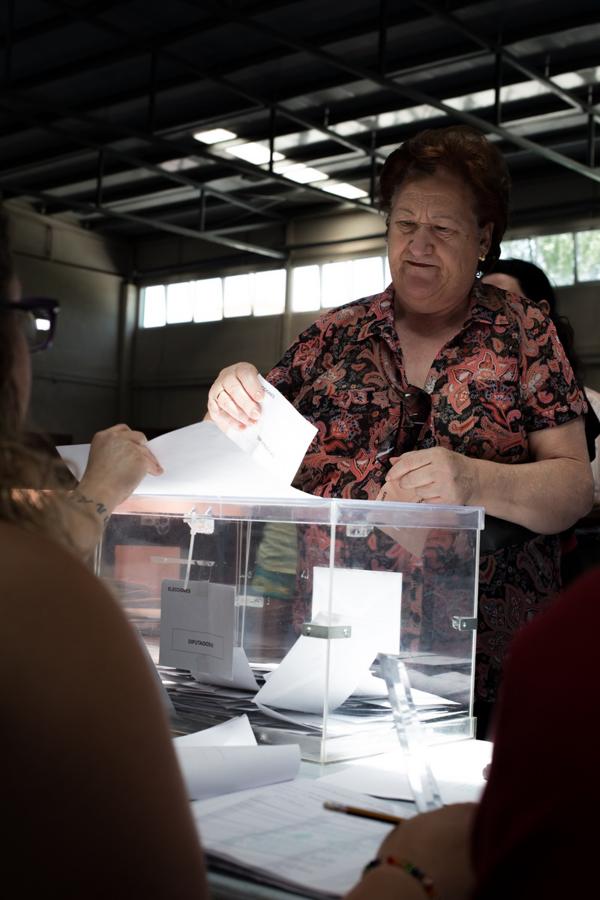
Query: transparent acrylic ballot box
pixel 279 609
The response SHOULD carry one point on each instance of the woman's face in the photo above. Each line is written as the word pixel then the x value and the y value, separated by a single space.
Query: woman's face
pixel 434 244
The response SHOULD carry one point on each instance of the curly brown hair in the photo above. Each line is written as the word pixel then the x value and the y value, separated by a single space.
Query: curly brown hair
pixel 465 152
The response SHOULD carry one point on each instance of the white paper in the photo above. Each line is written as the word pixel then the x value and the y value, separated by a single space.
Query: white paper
pixel 196 626
pixel 370 602
pixel 242 675
pixel 457 768
pixel 298 683
pixel 235 732
pixel 284 831
pixel 76 457
pixel 212 771
pixel 280 438
pixel 198 460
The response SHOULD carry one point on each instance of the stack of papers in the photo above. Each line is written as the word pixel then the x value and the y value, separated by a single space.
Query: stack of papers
pixel 203 705
pixel 282 836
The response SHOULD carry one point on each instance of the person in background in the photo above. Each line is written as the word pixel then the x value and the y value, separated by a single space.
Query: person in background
pixel 533 833
pixel 92 796
pixel 525 279
pixel 443 389
pixel 119 457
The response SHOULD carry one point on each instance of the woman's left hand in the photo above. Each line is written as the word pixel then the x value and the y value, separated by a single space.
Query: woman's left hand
pixel 438 843
pixel 436 475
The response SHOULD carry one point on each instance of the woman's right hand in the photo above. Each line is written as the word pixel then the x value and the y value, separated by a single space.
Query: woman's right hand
pixel 234 398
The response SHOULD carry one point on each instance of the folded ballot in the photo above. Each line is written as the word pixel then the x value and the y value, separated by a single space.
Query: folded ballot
pixel 226 758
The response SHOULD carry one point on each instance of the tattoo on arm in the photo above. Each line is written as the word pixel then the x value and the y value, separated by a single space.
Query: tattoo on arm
pixel 101 509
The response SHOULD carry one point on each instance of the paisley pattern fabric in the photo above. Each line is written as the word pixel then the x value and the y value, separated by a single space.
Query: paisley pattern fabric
pixel 501 377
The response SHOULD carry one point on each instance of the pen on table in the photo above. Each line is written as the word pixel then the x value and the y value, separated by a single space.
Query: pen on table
pixel 363 813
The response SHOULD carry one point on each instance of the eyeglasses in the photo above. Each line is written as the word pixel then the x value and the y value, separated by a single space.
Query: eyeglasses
pixel 38 319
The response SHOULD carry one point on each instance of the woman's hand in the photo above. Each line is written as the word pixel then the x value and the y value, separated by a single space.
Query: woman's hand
pixel 436 475
pixel 234 398
pixel 118 460
pixel 438 843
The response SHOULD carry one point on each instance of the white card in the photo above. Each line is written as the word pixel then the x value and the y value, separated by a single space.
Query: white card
pixel 280 438
pixel 370 602
pixel 196 627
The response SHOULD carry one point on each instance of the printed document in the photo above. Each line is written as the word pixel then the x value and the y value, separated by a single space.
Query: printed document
pixel 282 834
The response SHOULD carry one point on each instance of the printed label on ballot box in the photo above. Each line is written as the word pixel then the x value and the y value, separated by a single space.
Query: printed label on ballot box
pixel 197 627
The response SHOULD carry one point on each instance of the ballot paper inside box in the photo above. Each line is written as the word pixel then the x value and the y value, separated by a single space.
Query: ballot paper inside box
pixel 279 609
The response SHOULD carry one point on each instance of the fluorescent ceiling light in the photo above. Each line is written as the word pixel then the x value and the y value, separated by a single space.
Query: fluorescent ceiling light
pixel 343 189
pixel 179 165
pixel 214 135
pixel 257 154
pixel 301 173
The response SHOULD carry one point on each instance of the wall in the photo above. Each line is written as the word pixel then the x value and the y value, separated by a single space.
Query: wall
pixel 581 304
pixel 75 385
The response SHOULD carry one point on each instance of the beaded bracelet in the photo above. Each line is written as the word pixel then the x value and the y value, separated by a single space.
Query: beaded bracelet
pixel 424 880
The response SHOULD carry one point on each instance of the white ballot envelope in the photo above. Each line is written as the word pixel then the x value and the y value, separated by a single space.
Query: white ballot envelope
pixel 280 438
pixel 299 681
pixel 196 627
pixel 199 459
pixel 370 602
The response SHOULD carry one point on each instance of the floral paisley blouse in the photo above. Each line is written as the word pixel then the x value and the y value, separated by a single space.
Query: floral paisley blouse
pixel 501 377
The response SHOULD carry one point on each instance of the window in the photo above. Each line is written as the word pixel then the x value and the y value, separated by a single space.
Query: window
pixel 180 302
pixel 154 308
pixel 335 283
pixel 237 299
pixel 269 293
pixel 306 288
pixel 208 300
pixel 566 258
pixel 587 250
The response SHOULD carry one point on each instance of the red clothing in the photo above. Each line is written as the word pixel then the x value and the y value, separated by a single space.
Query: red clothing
pixel 503 376
pixel 535 834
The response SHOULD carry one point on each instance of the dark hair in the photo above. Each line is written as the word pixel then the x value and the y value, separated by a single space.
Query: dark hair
pixel 536 286
pixel 9 401
pixel 465 152
pixel 31 483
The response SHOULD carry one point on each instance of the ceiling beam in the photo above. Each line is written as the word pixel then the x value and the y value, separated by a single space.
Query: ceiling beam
pixel 414 94
pixel 151 223
pixel 566 96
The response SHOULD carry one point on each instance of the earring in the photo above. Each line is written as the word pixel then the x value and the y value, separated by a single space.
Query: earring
pixel 479 272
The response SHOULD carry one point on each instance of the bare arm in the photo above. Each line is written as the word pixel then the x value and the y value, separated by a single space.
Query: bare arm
pixel 94 792
pixel 546 495
pixel 119 459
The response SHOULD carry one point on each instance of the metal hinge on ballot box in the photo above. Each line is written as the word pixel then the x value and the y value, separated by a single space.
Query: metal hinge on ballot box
pixel 464 623
pixel 326 631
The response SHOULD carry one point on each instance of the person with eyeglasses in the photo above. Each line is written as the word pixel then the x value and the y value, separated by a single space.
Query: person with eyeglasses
pixel 118 458
pixel 92 795
pixel 442 389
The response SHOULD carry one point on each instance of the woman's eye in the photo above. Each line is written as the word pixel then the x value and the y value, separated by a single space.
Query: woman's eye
pixel 440 229
pixel 405 226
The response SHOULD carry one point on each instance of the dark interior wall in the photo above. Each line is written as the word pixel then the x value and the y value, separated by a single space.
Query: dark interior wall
pixel 175 366
pixel 75 382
